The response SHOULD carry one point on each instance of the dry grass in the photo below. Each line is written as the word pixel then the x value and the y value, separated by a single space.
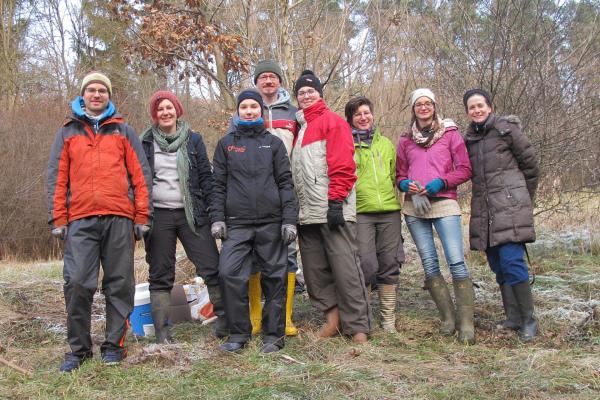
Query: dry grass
pixel 416 362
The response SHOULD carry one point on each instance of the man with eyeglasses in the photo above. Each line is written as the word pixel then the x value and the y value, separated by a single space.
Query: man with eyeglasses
pixel 99 200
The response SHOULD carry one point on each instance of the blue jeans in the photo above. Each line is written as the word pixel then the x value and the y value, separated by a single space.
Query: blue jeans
pixel 508 263
pixel 449 230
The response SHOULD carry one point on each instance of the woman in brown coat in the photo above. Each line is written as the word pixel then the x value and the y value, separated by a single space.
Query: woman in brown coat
pixel 504 181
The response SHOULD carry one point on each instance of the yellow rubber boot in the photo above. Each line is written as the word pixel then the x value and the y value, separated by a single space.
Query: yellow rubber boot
pixel 290 329
pixel 254 297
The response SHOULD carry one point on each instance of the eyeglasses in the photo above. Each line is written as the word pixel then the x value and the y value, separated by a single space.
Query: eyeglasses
pixel 264 77
pixel 427 104
pixel 363 114
pixel 101 92
pixel 306 93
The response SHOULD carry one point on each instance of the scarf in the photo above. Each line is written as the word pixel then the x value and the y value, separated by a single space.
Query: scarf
pixel 256 122
pixel 427 138
pixel 177 143
pixel 363 135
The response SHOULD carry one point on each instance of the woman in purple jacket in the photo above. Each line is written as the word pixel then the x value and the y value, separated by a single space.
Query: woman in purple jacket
pixel 432 161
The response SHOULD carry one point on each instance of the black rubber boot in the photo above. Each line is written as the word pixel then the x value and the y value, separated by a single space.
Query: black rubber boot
pixel 220 328
pixel 524 298
pixel 160 301
pixel 511 309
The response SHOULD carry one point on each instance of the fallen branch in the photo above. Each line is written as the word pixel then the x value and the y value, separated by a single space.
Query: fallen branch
pixel 15 367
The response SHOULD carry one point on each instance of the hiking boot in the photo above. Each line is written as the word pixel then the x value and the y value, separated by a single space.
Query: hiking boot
pixel 72 362
pixel 113 357
pixel 511 309
pixel 332 324
pixel 387 307
pixel 254 298
pixel 524 298
pixel 160 301
pixel 360 338
pixel 441 296
pixel 232 347
pixel 269 348
pixel 465 297
pixel 290 329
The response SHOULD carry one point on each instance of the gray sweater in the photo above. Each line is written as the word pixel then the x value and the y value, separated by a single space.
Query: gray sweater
pixel 166 192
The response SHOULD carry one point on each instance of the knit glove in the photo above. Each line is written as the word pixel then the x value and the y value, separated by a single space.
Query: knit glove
pixel 140 231
pixel 335 214
pixel 218 230
pixel 434 186
pixel 60 232
pixel 403 185
pixel 288 233
pixel 421 204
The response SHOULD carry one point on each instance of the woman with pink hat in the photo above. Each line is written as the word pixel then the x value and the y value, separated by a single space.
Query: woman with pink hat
pixel 181 190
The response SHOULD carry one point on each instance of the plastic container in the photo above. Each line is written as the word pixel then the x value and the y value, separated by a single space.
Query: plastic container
pixel 140 319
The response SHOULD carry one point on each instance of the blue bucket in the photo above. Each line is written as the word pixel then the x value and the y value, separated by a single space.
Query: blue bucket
pixel 140 319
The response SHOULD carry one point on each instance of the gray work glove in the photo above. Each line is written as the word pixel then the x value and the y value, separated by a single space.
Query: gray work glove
pixel 140 231
pixel 218 230
pixel 288 233
pixel 60 232
pixel 421 204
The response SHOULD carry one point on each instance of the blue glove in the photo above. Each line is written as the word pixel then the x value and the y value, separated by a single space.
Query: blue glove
pixel 403 185
pixel 434 186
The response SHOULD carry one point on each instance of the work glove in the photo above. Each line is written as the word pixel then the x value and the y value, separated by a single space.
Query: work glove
pixel 434 186
pixel 60 232
pixel 218 230
pixel 421 204
pixel 288 233
pixel 403 185
pixel 335 214
pixel 140 231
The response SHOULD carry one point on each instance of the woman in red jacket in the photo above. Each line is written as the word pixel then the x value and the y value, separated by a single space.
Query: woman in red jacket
pixel 324 174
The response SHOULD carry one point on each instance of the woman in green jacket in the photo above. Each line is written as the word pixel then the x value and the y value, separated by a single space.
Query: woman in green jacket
pixel 377 206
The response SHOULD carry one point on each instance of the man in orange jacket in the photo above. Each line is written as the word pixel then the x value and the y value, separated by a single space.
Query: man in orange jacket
pixel 99 191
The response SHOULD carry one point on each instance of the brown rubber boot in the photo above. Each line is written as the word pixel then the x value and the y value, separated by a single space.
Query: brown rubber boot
pixel 441 296
pixel 387 307
pixel 332 324
pixel 465 297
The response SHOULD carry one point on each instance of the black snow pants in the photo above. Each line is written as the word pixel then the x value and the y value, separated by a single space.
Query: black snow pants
pixel 261 244
pixel 106 240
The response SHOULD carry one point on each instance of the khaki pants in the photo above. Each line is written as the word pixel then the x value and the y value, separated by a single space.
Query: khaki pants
pixel 333 275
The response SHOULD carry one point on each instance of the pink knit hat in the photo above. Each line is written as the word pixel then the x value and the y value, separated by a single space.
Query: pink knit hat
pixel 160 95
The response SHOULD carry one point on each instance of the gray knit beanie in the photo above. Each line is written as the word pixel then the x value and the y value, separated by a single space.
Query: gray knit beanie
pixel 267 66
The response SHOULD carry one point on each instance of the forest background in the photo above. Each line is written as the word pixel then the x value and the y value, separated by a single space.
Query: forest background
pixel 538 58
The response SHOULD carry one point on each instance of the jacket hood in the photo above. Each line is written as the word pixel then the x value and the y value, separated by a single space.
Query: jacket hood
pixel 283 98
pixel 78 109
